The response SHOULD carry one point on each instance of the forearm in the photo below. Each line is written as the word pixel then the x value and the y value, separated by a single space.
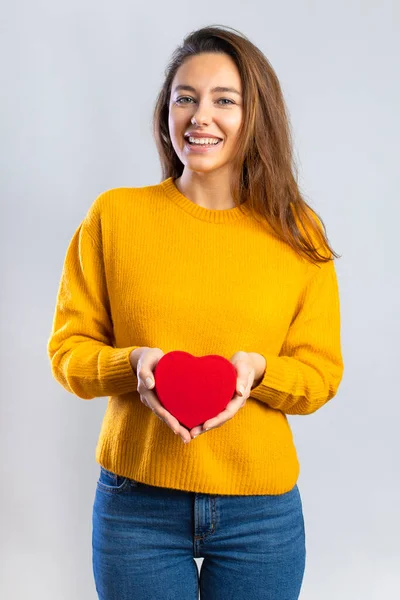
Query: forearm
pixel 91 369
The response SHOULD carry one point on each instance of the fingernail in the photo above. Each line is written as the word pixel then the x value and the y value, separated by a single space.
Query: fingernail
pixel 241 389
pixel 149 382
pixel 195 436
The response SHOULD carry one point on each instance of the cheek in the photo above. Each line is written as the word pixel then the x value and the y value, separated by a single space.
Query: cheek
pixel 231 127
pixel 176 120
pixel 172 127
pixel 175 135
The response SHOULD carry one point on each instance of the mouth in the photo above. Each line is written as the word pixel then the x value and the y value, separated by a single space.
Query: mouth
pixel 202 147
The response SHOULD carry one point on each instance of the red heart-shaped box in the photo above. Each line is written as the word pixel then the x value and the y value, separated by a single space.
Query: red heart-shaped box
pixel 194 388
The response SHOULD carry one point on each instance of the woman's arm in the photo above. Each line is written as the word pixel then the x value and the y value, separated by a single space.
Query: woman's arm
pixel 80 348
pixel 309 368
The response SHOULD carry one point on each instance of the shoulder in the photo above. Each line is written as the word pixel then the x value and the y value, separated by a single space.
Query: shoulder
pixel 116 199
pixel 312 227
pixel 117 195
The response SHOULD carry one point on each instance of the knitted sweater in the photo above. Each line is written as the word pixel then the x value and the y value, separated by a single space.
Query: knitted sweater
pixel 149 267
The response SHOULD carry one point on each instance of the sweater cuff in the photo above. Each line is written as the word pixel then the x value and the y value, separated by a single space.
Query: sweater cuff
pixel 116 373
pixel 272 385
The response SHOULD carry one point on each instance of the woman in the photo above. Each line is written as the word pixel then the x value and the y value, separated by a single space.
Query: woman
pixel 223 257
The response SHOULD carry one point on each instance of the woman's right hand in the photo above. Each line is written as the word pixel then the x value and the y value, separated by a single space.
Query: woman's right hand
pixel 144 361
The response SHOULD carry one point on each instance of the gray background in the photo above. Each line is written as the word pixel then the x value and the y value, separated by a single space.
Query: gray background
pixel 79 81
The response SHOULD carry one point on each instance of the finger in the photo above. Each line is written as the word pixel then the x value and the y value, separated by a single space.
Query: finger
pixel 155 404
pixel 196 431
pixel 223 416
pixel 244 381
pixel 146 366
pixel 161 412
pixel 244 373
pixel 229 411
pixel 217 421
pixel 143 401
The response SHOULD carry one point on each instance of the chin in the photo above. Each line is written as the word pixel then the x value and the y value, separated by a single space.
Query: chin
pixel 202 163
pixel 202 168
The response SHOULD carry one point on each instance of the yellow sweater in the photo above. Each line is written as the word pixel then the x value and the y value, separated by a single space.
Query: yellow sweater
pixel 149 267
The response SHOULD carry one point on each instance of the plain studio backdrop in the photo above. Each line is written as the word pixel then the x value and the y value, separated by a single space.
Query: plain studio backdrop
pixel 79 82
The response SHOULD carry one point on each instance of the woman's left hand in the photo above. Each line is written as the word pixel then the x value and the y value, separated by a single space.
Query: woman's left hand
pixel 247 371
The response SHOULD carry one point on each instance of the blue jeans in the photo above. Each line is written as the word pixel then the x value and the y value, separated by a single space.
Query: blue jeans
pixel 145 539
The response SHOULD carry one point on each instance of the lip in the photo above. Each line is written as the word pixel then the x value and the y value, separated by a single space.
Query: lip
pixel 199 134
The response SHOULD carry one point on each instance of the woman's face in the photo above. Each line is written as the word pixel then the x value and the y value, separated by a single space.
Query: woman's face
pixel 215 112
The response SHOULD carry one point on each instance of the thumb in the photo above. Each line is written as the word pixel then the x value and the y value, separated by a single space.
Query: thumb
pixel 241 383
pixel 149 381
pixel 152 359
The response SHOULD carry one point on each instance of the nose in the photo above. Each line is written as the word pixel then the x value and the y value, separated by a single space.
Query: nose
pixel 201 116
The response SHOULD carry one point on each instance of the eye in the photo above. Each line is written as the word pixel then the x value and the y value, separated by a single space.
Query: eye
pixel 183 98
pixel 225 101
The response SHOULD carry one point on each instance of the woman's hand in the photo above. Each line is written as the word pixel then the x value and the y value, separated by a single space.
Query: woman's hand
pixel 144 361
pixel 250 367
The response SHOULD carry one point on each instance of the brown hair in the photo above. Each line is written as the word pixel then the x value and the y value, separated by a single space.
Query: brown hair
pixel 264 173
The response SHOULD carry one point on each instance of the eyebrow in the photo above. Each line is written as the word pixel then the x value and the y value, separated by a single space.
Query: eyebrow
pixel 189 88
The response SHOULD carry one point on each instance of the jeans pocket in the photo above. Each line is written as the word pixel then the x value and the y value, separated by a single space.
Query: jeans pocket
pixel 111 482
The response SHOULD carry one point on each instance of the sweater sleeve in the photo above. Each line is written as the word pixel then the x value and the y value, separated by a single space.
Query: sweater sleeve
pixel 80 348
pixel 309 368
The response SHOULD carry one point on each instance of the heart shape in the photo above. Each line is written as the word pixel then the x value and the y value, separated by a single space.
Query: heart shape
pixel 194 388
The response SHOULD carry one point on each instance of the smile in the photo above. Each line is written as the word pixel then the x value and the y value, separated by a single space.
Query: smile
pixel 201 144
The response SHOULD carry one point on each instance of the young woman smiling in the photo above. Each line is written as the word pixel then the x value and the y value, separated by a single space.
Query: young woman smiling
pixel 223 256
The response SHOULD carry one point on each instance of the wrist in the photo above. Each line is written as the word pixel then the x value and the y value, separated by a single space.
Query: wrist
pixel 260 365
pixel 134 357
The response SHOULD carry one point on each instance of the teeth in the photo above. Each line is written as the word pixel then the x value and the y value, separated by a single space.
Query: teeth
pixel 199 141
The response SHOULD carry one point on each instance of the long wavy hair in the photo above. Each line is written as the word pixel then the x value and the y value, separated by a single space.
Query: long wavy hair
pixel 263 169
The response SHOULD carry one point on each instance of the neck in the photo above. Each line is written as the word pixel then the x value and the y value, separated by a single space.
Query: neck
pixel 209 190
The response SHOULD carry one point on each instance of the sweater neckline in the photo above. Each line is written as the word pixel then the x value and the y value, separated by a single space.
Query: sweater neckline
pixel 227 215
